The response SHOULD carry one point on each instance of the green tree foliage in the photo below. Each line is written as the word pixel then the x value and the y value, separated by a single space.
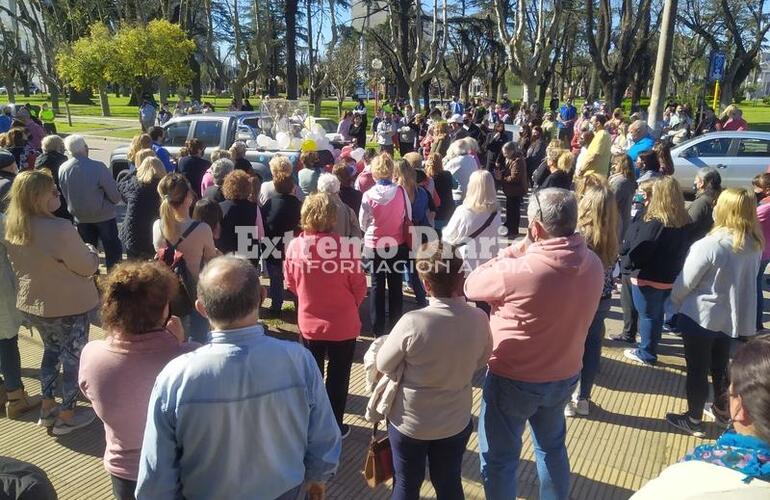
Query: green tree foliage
pixel 134 56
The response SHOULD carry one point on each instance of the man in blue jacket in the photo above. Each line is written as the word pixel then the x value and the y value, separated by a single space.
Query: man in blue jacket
pixel 244 416
pixel 156 134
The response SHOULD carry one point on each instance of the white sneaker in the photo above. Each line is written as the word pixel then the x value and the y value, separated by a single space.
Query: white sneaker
pixel 570 410
pixel 581 407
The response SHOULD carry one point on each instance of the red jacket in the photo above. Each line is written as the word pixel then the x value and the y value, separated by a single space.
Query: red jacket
pixel 329 282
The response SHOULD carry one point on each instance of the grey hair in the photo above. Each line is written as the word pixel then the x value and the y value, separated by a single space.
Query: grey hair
pixel 328 183
pixel 510 148
pixel 53 143
pixel 641 125
pixel 229 288
pixel 220 169
pixel 556 209
pixel 712 180
pixel 76 145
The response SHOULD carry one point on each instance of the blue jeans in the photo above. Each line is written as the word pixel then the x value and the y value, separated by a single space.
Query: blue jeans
pixel 507 405
pixel 411 277
pixel 592 354
pixel 107 232
pixel 63 341
pixel 445 461
pixel 196 327
pixel 275 273
pixel 760 297
pixel 649 302
pixel 10 363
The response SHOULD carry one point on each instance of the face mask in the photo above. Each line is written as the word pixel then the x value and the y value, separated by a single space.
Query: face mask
pixel 591 127
pixel 638 198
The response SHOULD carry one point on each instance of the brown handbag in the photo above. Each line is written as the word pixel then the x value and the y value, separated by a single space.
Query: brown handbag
pixel 378 466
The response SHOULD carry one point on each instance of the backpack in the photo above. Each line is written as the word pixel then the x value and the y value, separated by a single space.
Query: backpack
pixel 183 302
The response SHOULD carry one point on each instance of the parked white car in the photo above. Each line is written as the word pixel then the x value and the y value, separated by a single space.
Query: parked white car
pixel 739 156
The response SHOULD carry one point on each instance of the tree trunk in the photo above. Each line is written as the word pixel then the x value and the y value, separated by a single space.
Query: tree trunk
pixel 529 89
pixel 541 93
pixel 9 86
pixel 290 11
pixel 316 102
pixel 726 94
pixel 463 90
pixel 163 90
pixel 339 105
pixel 104 101
pixel 426 95
pixel 414 94
pixel 54 93
pixel 236 87
pixel 593 85
pixel 196 79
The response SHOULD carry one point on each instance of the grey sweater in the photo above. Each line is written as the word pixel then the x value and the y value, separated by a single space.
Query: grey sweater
pixel 89 189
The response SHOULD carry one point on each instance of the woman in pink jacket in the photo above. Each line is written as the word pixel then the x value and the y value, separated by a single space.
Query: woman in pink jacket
pixel 384 209
pixel 326 276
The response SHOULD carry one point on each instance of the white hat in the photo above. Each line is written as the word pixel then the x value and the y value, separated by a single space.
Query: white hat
pixel 455 119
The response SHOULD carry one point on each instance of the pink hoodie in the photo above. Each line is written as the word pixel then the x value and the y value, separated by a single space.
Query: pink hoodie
pixel 543 302
pixel 382 215
pixel 329 284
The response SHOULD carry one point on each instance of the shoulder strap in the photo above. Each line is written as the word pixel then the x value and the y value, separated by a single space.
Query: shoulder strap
pixel 185 234
pixel 483 226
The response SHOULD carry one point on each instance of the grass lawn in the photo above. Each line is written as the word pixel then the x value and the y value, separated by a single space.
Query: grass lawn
pixel 755 112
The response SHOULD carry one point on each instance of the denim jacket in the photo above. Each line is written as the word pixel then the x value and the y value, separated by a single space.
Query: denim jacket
pixel 245 416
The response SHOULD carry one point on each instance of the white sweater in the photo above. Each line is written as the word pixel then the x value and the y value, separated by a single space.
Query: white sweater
pixel 717 287
pixel 702 481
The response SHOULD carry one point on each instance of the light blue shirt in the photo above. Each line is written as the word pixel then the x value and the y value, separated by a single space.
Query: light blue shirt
pixel 244 416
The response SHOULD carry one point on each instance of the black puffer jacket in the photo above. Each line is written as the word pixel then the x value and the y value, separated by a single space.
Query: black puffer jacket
pixel 142 208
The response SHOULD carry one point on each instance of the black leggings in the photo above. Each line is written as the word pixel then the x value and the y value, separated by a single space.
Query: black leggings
pixel 340 356
pixel 706 352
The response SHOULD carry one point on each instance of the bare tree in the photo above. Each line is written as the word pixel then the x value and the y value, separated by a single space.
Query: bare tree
pixel 530 41
pixel 341 69
pixel 736 28
pixel 615 50
pixel 417 57
pixel 466 44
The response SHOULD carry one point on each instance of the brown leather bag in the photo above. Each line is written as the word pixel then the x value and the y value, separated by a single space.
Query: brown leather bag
pixel 378 466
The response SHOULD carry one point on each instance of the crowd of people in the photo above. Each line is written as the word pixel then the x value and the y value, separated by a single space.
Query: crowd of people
pixel 191 388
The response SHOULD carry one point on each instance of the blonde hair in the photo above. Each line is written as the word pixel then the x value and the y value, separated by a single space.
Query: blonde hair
pixel 138 143
pixel 382 167
pixel 481 196
pixel 173 190
pixel 280 164
pixel 589 180
pixel 319 213
pixel 440 129
pixel 53 143
pixel 150 168
pixel 28 198
pixel 433 165
pixel 667 204
pixel 406 177
pixel 142 155
pixel 219 153
pixel 621 164
pixel 736 213
pixel 598 220
pixel 565 162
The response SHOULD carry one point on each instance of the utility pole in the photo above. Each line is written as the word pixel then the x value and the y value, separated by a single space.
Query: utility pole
pixel 662 64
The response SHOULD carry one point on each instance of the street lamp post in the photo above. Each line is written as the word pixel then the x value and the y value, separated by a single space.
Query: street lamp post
pixel 376 66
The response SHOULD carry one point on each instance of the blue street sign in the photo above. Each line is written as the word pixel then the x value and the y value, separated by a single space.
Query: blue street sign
pixel 717 66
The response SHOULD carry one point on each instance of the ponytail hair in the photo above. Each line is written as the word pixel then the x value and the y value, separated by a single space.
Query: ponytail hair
pixel 173 190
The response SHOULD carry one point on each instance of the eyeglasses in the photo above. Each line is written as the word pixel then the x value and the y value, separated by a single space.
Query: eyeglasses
pixel 539 207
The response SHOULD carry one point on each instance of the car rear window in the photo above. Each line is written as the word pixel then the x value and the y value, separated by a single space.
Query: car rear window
pixel 754 147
